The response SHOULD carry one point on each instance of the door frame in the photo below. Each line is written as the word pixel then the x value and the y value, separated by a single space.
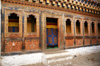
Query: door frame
pixel 52 31
pixel 43 25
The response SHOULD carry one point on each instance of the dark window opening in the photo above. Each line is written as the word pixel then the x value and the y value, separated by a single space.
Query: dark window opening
pixel 78 27
pixel 99 28
pixel 26 0
pixel 92 27
pixel 52 20
pixel 31 24
pixel 86 27
pixel 68 26
pixel 13 23
pixel 33 0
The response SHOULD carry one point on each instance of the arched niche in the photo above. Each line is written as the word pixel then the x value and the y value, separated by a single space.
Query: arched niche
pixel 78 31
pixel 86 27
pixel 13 22
pixel 31 23
pixel 68 26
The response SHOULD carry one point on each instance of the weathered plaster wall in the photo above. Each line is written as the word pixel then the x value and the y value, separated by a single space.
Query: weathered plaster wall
pixel 65 40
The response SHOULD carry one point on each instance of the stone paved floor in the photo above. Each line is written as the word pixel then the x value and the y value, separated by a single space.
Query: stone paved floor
pixel 88 60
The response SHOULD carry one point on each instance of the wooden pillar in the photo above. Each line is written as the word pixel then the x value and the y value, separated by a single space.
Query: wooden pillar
pixel 2 31
pixel 83 30
pixel 97 33
pixel 23 40
pixel 40 34
pixel 90 34
pixel 63 32
pixel 42 30
pixel 0 28
pixel 74 30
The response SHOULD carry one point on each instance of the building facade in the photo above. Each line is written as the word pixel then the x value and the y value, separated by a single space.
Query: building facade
pixel 38 25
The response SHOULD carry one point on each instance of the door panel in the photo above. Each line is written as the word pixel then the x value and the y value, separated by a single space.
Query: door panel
pixel 52 37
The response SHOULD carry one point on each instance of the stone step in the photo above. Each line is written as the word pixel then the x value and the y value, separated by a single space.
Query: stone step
pixel 57 56
pixel 47 51
pixel 53 60
pixel 50 51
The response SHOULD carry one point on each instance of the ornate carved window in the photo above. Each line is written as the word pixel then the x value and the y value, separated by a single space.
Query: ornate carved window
pixel 68 26
pixel 13 23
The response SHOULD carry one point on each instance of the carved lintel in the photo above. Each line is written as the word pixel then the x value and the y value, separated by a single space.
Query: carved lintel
pixel 78 16
pixel 68 15
pixel 86 18
pixel 93 19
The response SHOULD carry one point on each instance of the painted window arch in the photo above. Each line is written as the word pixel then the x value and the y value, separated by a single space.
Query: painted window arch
pixel 99 28
pixel 31 23
pixel 92 26
pixel 13 23
pixel 68 26
pixel 77 27
pixel 86 27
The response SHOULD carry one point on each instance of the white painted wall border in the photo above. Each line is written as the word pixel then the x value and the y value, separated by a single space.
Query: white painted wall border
pixel 25 59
